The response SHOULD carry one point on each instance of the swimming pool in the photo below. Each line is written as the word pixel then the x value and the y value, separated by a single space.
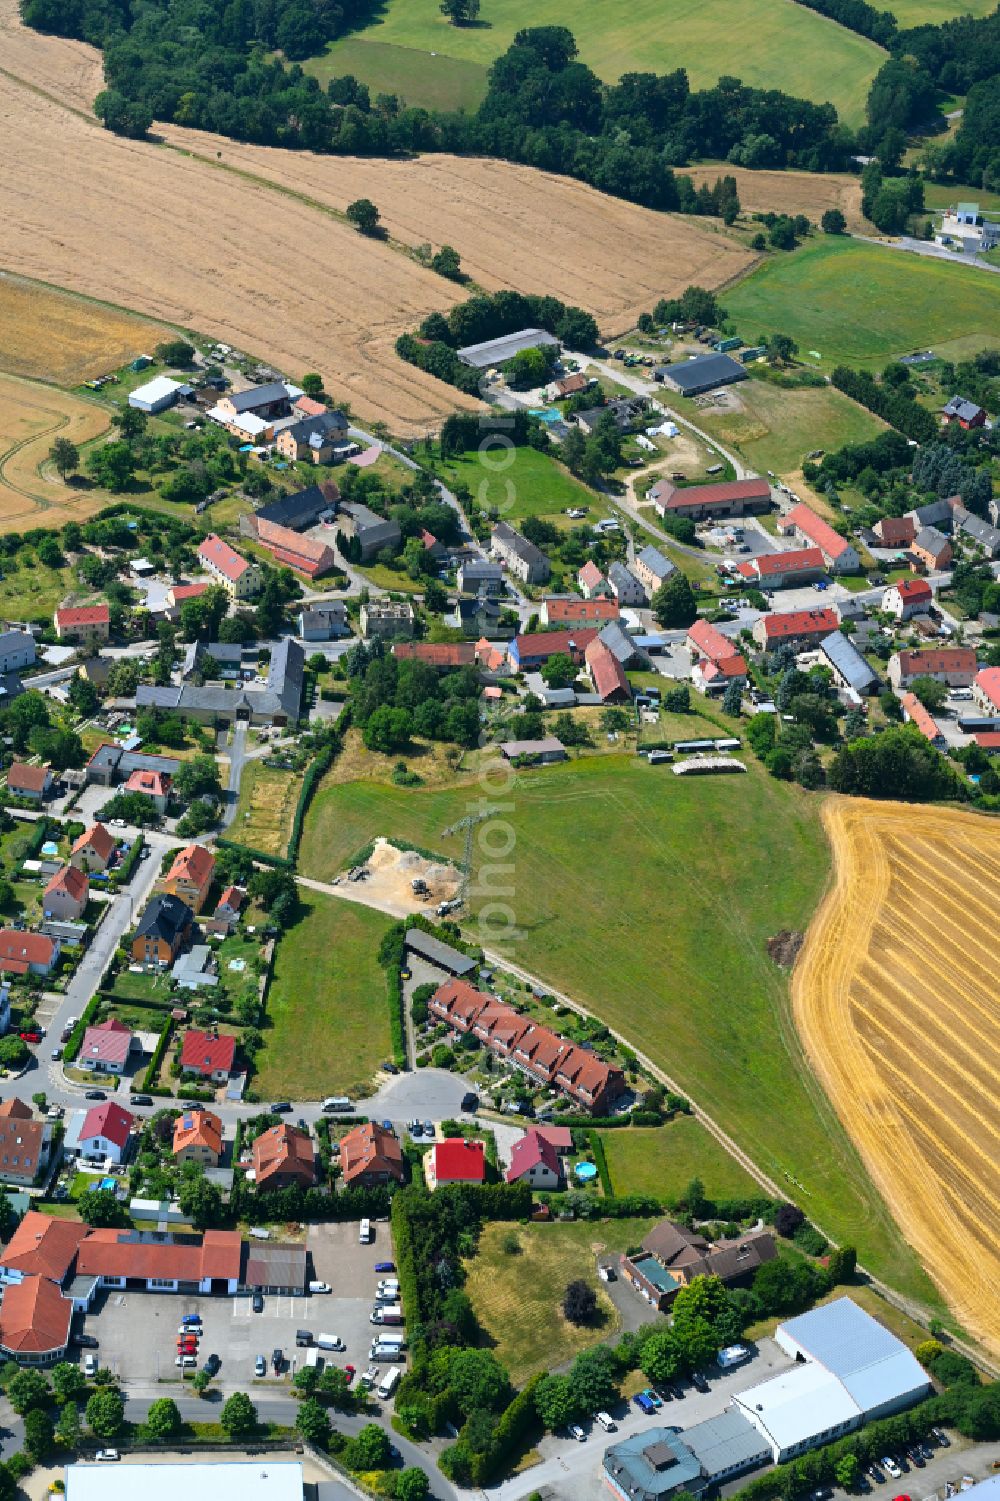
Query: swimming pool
pixel 585 1171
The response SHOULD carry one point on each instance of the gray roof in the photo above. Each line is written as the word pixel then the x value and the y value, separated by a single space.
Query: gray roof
pixel 323 426
pixel 620 643
pixel 525 550
pixel 873 1365
pixel 15 641
pixel 544 747
pixel 480 568
pixel 932 514
pixel 654 560
pixel 165 917
pixel 281 694
pixel 299 510
pixel 558 698
pixel 965 410
pixel 978 529
pixel 930 538
pixel 845 659
pixel 653 1462
pixel 496 351
pixel 441 954
pixel 619 574
pixel 364 518
pixel 259 396
pixel 728 1442
pixel 704 372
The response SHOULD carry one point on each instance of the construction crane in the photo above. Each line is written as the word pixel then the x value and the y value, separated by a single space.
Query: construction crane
pixel 468 824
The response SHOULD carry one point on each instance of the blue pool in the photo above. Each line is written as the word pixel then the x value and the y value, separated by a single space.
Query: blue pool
pixel 585 1171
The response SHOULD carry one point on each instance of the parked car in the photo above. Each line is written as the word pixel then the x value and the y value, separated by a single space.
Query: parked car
pixel 350 1372
pixel 56 1054
pixel 915 1454
pixel 320 1287
pixel 940 1437
pixel 644 1404
pixel 140 1099
pixel 875 1475
pixel 86 1341
pixel 575 1431
pixel 277 1360
pixel 385 1266
pixel 891 1467
pixel 190 1328
pixel 429 1129
pixel 260 1366
pixel 470 1101
pixel 108 1456
pixel 90 1365
pixel 281 1107
pixel 652 1396
pixel 191 1318
pixel 212 1365
pixel 258 1302
pixel 30 1036
pixel 95 1094
pixel 699 1383
pixel 186 1360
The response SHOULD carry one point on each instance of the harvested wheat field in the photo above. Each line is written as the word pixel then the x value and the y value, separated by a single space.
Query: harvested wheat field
pixel 47 334
pixel 896 998
pixel 809 193
pixel 71 71
pixel 512 225
pixel 31 418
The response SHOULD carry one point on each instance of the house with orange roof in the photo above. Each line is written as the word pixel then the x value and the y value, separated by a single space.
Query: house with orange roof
pixel 40 1247
pixel 65 897
pixel 27 953
pixel 155 785
pixel 839 555
pixel 715 661
pixel 198 1138
pixel 914 712
pixel 93 850
pixel 35 1321
pixel 230 905
pixel 370 1155
pixel 283 1156
pixel 30 782
pixel 608 675
pixel 190 876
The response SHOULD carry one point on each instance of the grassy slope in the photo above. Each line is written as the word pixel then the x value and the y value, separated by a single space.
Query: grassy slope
pixel 934 12
pixel 772 44
pixel 439 82
pixel 863 303
pixel 328 1022
pixel 664 1160
pixel 651 898
pixel 532 484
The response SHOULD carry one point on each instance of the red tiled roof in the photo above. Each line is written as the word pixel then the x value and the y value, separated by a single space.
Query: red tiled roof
pixel 919 716
pixel 791 623
pixel 436 653
pixel 193 864
pixel 708 495
pixel 181 592
pixel 937 659
pixel 795 560
pixel 31 778
pixel 606 670
pixel 987 739
pixel 34 1317
pixel 70 880
pixel 151 783
pixel 98 839
pixel 590 576
pixel 559 610
pixel 301 552
pixel 370 1149
pixel 283 1149
pixel 119 1253
pixel 25 948
pixel 83 615
pixel 219 555
pixel 206 1053
pixel 108 1042
pixel 233 897
pixel 988 682
pixel 198 1128
pixel 15 1110
pixel 820 532
pixel 911 589
pixel 710 641
pixel 561 1137
pixel 110 1120
pixel 533 1150
pixel 308 407
pixel 548 643
pixel 459 1161
pixel 42 1246
pixel 895 530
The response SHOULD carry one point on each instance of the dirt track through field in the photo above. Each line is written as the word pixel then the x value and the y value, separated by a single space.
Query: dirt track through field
pixel 896 998
pixel 31 418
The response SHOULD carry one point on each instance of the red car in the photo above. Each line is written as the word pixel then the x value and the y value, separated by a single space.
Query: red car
pixel 31 1036
pixel 350 1373
pixel 187 1347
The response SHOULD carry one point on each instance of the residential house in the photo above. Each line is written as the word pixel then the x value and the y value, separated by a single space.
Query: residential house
pixel 966 413
pixel 652 569
pixel 543 752
pixel 715 660
pixel 283 1156
pixel 480 576
pixel 443 656
pixel 35 1321
pixel 17 651
pixel 41 1246
pixel 208 1055
pixel 65 897
pixel 190 876
pixel 780 570
pixel 799 627
pixel 179 594
pixel 838 554
pixel 387 619
pixel 930 549
pixel 981 532
pixel 370 1155
pixel 372 532
pixel 535 1161
pixel 239 576
pixel 105 1133
pixel 742 497
pixel 155 785
pixel 455 1160
pixel 111 764
pixel 230 905
pixel 607 674
pixel 163 929
pixel 198 1138
pixel 27 953
pixel 986 690
pixel 307 555
pixel 567 610
pixel 314 437
pixel 915 713
pixel 624 411
pixel 25 1143
pixel 569 385
pixel 528 652
pixel 895 531
pixel 591 581
pixel 93 850
pixel 908 597
pixel 849 667
pixel 954 665
pixel 83 623
pixel 672 1256
pixel 323 620
pixel 107 1047
pixel 30 782
pixel 625 586
pixel 522 558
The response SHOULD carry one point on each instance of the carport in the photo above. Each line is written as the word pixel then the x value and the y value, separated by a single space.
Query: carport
pixel 275 1269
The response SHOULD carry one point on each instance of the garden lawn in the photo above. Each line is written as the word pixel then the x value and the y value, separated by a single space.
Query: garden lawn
pixel 767 44
pixel 650 898
pixel 327 1027
pixel 517 1298
pixel 862 304
pixel 266 808
pixel 539 486
pixel 33 593
pixel 662 1161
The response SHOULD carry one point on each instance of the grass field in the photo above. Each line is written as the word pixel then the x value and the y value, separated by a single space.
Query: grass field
pixel 327 1026
pixel 32 416
pixel 770 44
pixel 895 997
pixel 266 808
pixel 938 195
pixel 436 81
pixel 933 12
pixel 663 935
pixel 863 303
pixel 517 1297
pixel 535 484
pixel 30 593
pixel 663 1160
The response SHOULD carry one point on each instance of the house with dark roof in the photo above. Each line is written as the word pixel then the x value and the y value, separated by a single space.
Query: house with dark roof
pixel 438 953
pixel 930 549
pixel 849 667
pixel 625 585
pixel 266 401
pixel 652 569
pixel 163 930
pixel 299 511
pixel 17 650
pixel 968 414
pixel 671 1256
pixel 277 702
pixel 480 576
pixel 208 1055
pixel 313 438
pixel 371 531
pixel 981 532
pixel 521 557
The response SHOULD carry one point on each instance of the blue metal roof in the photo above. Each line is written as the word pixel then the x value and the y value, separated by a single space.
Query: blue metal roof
pixel 872 1364
pixel 845 658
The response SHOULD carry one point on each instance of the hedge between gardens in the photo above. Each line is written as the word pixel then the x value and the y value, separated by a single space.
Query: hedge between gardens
pixel 390 957
pixel 149 1077
pixel 75 1043
pixel 600 1161
pixel 124 872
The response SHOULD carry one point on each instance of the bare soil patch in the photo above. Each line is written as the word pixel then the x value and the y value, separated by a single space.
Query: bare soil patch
pixel 31 418
pixel 784 947
pixel 809 193
pixel 389 882
pixel 895 998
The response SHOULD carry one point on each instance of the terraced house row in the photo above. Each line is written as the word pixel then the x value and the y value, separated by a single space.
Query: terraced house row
pixel 539 1052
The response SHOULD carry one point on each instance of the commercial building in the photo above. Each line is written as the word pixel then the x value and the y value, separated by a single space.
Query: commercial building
pixel 239 576
pixel 521 557
pixel 35 1322
pixel 657 1463
pixel 838 554
pixel 741 497
pixel 157 394
pixel 267 1479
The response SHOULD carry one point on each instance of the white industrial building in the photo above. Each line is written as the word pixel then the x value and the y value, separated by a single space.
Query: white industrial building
pixel 849 1370
pixel 157 394
pixel 268 1479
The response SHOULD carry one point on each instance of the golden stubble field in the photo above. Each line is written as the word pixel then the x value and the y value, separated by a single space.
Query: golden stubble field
pixel 46 334
pixel 32 416
pixel 896 998
pixel 243 243
pixel 809 193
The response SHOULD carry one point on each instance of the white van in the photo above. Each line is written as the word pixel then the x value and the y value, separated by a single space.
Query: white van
pixel 389 1382
pixel 606 1421
pixel 314 1358
pixel 336 1102
pixel 330 1342
pixel 319 1287
pixel 365 1233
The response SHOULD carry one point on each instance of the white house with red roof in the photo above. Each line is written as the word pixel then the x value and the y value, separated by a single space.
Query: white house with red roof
pixel 208 1056
pixel 93 850
pixel 838 554
pixel 591 581
pixel 715 661
pixel 986 690
pixel 27 953
pixel 106 1047
pixel 65 897
pixel 105 1133
pixel 535 1161
pixel 908 597
pixel 798 627
pixel 239 576
pixel 230 905
pixel 954 665
pixel 152 784
pixel 915 713
pixel 455 1160
pixel 781 570
pixel 83 622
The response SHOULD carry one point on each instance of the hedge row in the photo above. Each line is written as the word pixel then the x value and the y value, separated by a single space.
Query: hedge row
pixel 255 854
pixel 75 1043
pixel 149 1077
pixel 123 874
pixel 390 957
pixel 317 768
pixel 601 1162
pixel 517 1420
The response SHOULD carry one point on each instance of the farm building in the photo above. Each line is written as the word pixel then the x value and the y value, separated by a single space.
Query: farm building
pixel 715 661
pixel 306 555
pixel 372 532
pixel 298 511
pixel 849 667
pixel 986 690
pixel 277 702
pixel 314 437
pixel 527 652
pixel 778 570
pixel 706 372
pixel 741 497
pixel 158 394
pixel 497 351
pixel 895 531
pixel 608 674
pixel 546 750
pixel 966 413
pixel 810 529
pixel 981 532
pixel 442 955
